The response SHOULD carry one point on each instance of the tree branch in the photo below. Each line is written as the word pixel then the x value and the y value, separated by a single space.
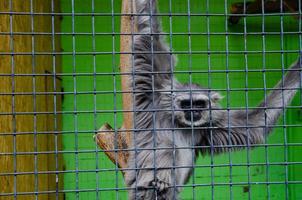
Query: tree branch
pixel 112 142
pixel 254 7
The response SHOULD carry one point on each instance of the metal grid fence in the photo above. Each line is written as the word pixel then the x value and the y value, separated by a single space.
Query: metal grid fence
pixel 59 69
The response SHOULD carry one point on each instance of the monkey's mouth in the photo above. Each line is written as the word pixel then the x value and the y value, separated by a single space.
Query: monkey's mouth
pixel 191 118
pixel 195 123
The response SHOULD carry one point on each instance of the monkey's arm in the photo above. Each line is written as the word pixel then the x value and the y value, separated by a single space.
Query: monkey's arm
pixel 153 61
pixel 242 128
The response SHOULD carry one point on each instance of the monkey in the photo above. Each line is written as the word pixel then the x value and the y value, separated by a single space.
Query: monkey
pixel 175 122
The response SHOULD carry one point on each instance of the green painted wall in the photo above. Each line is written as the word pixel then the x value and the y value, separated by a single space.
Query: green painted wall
pixel 95 99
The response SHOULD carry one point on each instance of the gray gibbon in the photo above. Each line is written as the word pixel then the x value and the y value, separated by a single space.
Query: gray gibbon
pixel 164 148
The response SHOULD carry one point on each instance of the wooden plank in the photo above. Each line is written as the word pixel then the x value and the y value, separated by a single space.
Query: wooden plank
pixel 106 137
pixel 25 123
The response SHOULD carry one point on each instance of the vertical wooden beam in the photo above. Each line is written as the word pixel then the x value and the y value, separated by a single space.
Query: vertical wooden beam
pixel 127 27
pixel 106 137
pixel 26 129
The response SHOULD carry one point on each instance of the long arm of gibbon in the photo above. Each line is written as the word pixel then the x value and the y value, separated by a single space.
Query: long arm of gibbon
pixel 153 62
pixel 240 128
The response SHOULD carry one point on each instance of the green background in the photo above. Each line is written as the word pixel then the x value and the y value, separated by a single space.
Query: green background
pixel 92 94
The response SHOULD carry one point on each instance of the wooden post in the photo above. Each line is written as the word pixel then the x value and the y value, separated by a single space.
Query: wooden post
pixel 30 141
pixel 106 136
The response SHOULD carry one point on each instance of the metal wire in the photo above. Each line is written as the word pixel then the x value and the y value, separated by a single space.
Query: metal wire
pixel 88 62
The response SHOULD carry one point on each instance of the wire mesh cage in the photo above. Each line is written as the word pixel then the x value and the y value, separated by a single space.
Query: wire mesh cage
pixel 68 96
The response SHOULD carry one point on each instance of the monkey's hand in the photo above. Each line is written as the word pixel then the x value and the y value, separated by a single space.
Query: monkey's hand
pixel 155 186
pixel 160 186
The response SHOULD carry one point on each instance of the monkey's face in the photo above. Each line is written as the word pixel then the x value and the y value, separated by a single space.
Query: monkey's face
pixel 193 109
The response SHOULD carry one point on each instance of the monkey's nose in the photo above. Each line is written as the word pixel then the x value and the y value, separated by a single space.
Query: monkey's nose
pixel 196 115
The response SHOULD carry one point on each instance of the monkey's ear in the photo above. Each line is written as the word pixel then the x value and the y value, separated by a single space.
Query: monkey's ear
pixel 215 96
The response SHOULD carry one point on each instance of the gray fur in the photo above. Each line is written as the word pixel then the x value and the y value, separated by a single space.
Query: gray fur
pixel 163 137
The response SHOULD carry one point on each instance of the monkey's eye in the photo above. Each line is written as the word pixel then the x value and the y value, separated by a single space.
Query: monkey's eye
pixel 185 104
pixel 199 104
